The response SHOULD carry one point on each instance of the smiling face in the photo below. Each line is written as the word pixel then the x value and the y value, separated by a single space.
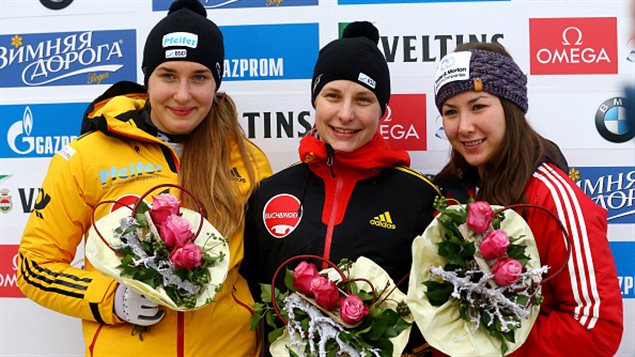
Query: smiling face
pixel 181 94
pixel 474 122
pixel 346 115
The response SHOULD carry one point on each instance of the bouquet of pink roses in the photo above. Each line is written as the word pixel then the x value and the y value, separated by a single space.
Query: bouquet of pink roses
pixel 156 251
pixel 475 279
pixel 336 311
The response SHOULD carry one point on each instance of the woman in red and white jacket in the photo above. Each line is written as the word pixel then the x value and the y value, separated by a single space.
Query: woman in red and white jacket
pixel 497 157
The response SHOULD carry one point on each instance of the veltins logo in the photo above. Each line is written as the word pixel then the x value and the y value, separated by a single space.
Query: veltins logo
pixel 67 58
pixel 573 45
pixel 281 215
pixel 611 122
pixel 610 187
pixel 8 269
pixel 38 130
pixel 404 124
pixel 623 253
pixel 162 5
pixel 270 51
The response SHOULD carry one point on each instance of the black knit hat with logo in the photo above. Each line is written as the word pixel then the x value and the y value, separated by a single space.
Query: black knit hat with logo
pixel 185 34
pixel 354 57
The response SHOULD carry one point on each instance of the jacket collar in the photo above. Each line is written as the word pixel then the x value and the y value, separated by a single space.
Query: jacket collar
pixel 375 155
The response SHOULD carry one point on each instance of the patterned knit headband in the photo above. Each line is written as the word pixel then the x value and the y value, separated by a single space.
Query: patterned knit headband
pixel 480 70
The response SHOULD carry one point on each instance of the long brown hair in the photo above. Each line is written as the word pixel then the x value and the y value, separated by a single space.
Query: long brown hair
pixel 206 165
pixel 508 171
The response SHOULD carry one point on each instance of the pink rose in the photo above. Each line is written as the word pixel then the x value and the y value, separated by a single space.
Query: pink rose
pixel 352 309
pixel 188 256
pixel 325 292
pixel 495 244
pixel 479 216
pixel 507 271
pixel 176 231
pixel 163 206
pixel 303 275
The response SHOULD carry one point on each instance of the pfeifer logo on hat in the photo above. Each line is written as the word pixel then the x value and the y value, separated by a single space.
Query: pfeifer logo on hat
pixel 181 39
pixel 453 67
pixel 281 215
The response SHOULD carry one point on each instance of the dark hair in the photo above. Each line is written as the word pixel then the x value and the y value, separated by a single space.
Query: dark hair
pixel 509 170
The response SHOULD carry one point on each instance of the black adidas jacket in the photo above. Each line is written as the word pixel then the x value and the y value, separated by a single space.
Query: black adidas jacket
pixel 375 210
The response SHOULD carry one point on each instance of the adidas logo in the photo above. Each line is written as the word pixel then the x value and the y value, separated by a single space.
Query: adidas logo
pixel 236 175
pixel 384 221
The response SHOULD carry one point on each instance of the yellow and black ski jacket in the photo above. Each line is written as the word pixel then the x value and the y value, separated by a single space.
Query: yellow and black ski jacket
pixel 119 159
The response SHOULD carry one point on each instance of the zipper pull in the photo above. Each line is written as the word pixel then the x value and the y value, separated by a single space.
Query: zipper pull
pixel 329 158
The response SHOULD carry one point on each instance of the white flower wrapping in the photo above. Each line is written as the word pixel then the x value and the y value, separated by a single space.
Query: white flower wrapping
pixel 442 326
pixel 103 259
pixel 362 268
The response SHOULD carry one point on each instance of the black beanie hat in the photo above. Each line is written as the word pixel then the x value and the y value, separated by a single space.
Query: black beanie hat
pixel 354 57
pixel 185 34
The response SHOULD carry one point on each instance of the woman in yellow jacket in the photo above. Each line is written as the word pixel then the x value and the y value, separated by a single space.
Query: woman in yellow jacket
pixel 181 130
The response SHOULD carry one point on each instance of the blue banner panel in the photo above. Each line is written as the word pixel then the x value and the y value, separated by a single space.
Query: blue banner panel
pixel 610 187
pixel 266 52
pixel 38 130
pixel 623 252
pixel 67 58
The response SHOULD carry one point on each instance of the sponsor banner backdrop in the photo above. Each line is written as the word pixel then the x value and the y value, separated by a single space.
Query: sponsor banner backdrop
pixel 623 252
pixel 610 187
pixel 67 58
pixel 261 52
pixel 8 268
pixel 38 130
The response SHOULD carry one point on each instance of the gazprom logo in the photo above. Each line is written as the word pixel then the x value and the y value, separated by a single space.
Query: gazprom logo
pixel 67 58
pixel 181 39
pixel 38 130
pixel 623 253
pixel 270 52
pixel 610 187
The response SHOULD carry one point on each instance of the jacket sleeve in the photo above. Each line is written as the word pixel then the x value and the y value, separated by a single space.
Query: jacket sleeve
pixel 49 244
pixel 582 311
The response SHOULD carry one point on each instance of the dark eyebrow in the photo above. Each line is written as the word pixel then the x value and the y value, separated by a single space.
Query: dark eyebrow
pixel 172 70
pixel 471 101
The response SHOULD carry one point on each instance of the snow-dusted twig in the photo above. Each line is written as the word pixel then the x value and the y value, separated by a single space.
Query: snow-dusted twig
pixel 321 330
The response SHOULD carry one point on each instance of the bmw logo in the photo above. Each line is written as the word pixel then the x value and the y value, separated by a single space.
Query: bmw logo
pixel 56 4
pixel 611 123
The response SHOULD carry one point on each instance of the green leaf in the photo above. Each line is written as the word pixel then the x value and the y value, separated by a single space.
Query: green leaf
pixel 385 346
pixel 291 353
pixel 265 293
pixel 147 276
pixel 270 317
pixel 288 280
pixel 141 219
pixel 438 293
pixel 509 336
pixel 377 329
pixel 397 328
pixel 273 335
pixel 254 320
pixel 143 207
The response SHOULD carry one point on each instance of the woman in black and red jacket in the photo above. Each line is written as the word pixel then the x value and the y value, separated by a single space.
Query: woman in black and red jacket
pixel 351 195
